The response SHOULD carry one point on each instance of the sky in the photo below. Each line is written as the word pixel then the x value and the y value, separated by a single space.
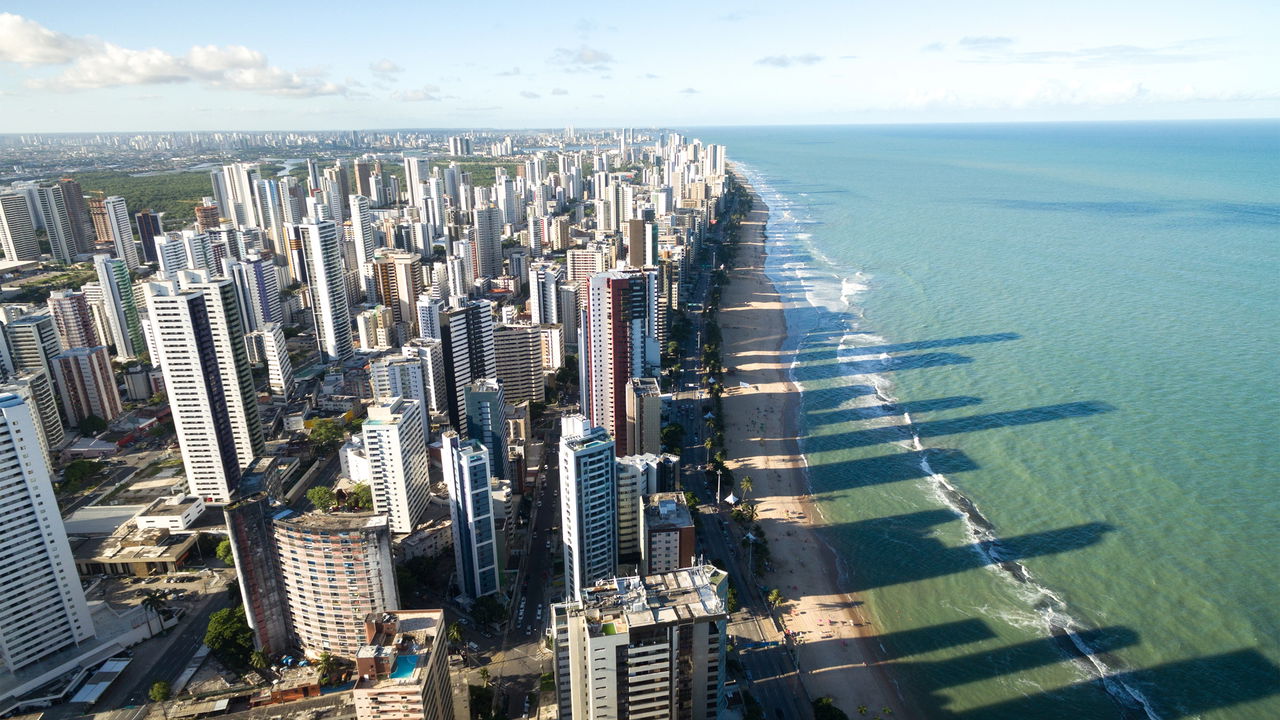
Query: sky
pixel 145 66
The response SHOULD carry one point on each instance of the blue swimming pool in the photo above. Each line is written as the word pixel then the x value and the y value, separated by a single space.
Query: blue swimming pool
pixel 404 667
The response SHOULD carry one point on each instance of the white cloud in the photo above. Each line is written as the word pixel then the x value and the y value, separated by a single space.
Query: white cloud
pixel 689 91
pixel 559 91
pixel 426 93
pixel 385 67
pixel 529 94
pixel 583 56
pixel 97 64
pixel 30 43
pixel 783 61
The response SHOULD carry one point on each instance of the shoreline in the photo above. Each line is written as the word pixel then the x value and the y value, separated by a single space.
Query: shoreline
pixel 836 653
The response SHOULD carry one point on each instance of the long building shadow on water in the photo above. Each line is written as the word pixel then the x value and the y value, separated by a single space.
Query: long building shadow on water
pixel 919 556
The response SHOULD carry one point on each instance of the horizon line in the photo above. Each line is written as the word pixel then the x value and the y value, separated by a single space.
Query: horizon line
pixel 589 128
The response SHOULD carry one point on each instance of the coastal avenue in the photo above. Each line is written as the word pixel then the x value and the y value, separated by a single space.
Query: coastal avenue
pixel 770 674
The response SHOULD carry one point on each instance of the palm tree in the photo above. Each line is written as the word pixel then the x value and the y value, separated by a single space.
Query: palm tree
pixel 259 660
pixel 484 676
pixel 862 709
pixel 745 484
pixel 455 634
pixel 153 603
pixel 775 597
pixel 326 665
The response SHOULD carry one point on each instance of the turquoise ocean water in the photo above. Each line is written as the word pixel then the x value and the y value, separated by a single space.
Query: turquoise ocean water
pixel 1040 403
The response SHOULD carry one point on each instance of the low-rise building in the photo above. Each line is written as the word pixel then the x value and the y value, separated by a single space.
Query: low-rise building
pixel 402 669
pixel 174 513
pixel 667 532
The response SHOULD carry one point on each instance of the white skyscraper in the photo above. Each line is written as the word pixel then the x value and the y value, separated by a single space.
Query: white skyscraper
pixel 362 235
pixel 275 353
pixel 58 223
pixel 416 171
pixel 588 504
pixel 328 288
pixel 396 447
pixel 419 375
pixel 201 348
pixel 475 544
pixel 18 229
pixel 43 608
pixel 428 309
pixel 121 231
pixel 544 291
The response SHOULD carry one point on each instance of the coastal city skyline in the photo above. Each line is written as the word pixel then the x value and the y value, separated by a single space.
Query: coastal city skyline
pixel 903 64
pixel 659 361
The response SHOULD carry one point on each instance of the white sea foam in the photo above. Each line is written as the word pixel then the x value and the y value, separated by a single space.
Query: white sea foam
pixel 1044 610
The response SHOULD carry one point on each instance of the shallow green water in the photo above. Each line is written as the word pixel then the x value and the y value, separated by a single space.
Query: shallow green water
pixel 1080 324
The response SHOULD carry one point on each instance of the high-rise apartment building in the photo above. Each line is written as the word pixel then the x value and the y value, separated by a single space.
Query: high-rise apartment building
pixel 73 319
pixel 397 280
pixel 258 286
pixel 643 417
pixel 199 341
pixel 17 229
pixel 150 226
pixel 121 231
pixel 120 306
pixel 520 361
pixel 42 607
pixel 364 239
pixel 418 374
pixel 87 384
pixel 336 570
pixel 644 647
pixel 35 387
pixel 588 504
pixel 487 421
pixel 617 342
pixel 544 292
pixel 395 443
pixel 466 336
pixel 403 667
pixel 326 273
pixel 58 224
pixel 81 224
pixel 251 530
pixel 275 352
pixel 476 549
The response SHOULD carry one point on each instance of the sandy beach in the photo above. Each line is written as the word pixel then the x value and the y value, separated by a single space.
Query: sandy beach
pixel 836 640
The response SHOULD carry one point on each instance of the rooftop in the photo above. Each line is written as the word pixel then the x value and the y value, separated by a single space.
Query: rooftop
pixel 335 521
pixel 682 596
pixel 666 511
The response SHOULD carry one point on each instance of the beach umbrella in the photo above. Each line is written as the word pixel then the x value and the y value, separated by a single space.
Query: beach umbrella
pixel 731 499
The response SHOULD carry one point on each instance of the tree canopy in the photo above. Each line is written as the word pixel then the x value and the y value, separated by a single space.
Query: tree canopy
pixel 322 497
pixel 228 634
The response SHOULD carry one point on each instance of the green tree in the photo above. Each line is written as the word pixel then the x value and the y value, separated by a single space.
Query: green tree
pixel 160 691
pixel 327 434
pixel 224 553
pixel 77 471
pixel 361 497
pixel 326 665
pixel 455 634
pixel 92 425
pixel 484 676
pixel 259 660
pixel 322 497
pixel 228 634
pixel 673 437
pixel 775 597
pixel 745 484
